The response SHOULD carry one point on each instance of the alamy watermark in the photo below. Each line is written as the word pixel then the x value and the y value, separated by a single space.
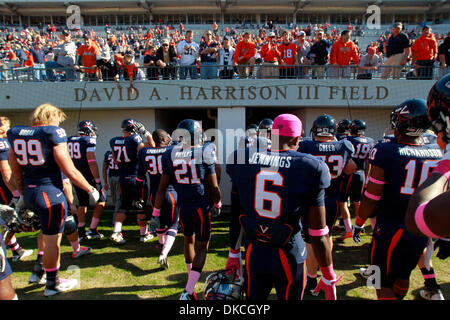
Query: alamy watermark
pixel 374 19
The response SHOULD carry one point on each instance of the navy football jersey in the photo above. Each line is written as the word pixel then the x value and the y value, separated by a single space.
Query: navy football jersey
pixel 274 186
pixel 427 138
pixel 335 154
pixel 5 192
pixel 150 163
pixel 362 146
pixel 33 149
pixel 189 169
pixel 405 167
pixel 113 169
pixel 125 150
pixel 78 147
pixel 340 136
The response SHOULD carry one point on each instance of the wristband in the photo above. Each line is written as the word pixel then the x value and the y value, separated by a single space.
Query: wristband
pixel 140 180
pixel 372 196
pixel 359 222
pixel 319 232
pixel 146 134
pixel 97 180
pixel 376 181
pixel 156 212
pixel 443 167
pixel 92 160
pixel 218 205
pixel 328 273
pixel 16 194
pixel 420 221
pixel 234 253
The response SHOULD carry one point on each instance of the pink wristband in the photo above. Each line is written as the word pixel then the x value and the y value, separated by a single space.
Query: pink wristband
pixel 156 212
pixel 140 180
pixel 372 196
pixel 420 221
pixel 376 181
pixel 218 205
pixel 443 167
pixel 97 180
pixel 318 233
pixel 16 194
pixel 328 272
pixel 92 160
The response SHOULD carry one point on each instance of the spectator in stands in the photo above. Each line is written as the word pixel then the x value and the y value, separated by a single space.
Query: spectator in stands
pixel 319 55
pixel 244 55
pixel 342 53
pixel 103 46
pixel 289 56
pixel 208 56
pixel 215 28
pixel 424 53
pixel 271 56
pixel 226 58
pixel 444 54
pixel 39 61
pixel 107 69
pixel 368 64
pixel 150 61
pixel 88 53
pixel 188 50
pixel 167 60
pixel 303 48
pixel 65 54
pixel 397 50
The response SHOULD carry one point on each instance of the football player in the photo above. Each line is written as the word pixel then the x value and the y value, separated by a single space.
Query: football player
pixel 125 151
pixel 8 191
pixel 111 180
pixel 6 289
pixel 37 156
pixel 150 164
pixel 338 157
pixel 264 134
pixel 191 169
pixel 355 186
pixel 273 187
pixel 82 151
pixel 397 168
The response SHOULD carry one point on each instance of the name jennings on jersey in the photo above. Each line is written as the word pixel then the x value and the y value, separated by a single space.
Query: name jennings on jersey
pixel 271 160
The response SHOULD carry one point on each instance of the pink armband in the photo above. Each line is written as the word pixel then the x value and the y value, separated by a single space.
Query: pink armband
pixel 140 180
pixel 318 233
pixel 218 205
pixel 376 181
pixel 97 180
pixel 420 221
pixel 156 212
pixel 443 167
pixel 92 160
pixel 16 194
pixel 372 196
pixel 328 272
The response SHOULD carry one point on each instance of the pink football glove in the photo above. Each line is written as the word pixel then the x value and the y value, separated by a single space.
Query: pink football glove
pixel 328 282
pixel 234 263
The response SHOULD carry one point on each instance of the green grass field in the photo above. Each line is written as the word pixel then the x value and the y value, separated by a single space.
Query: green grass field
pixel 131 271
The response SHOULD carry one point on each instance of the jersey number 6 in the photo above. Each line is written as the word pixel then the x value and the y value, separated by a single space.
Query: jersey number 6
pixel 261 195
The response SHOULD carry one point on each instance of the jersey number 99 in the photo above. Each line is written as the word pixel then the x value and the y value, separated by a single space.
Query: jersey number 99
pixel 28 152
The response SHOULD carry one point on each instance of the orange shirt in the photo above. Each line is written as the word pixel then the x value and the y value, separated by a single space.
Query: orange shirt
pixel 30 60
pixel 88 54
pixel 246 50
pixel 270 55
pixel 342 53
pixel 425 48
pixel 288 52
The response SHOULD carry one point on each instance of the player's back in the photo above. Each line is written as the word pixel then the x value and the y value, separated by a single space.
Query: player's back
pixel 405 168
pixel 113 169
pixel 362 146
pixel 335 154
pixel 189 168
pixel 78 147
pixel 150 164
pixel 273 186
pixel 125 150
pixel 33 149
pixel 340 136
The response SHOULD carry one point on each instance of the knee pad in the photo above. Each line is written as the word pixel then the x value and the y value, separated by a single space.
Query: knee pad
pixel 70 225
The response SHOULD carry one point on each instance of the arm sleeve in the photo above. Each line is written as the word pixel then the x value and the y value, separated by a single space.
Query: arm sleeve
pixel 377 157
pixel 56 135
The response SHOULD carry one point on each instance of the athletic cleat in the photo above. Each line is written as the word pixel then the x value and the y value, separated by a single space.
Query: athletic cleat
pixel 340 225
pixel 94 234
pixel 431 294
pixel 162 260
pixel 82 252
pixel 364 272
pixel 37 278
pixel 147 237
pixel 21 253
pixel 186 296
pixel 62 286
pixel 117 238
pixel 345 236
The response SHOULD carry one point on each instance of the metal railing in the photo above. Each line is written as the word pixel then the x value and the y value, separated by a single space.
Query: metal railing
pixel 213 71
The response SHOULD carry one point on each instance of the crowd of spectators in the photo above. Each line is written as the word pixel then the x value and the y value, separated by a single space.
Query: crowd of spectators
pixel 168 52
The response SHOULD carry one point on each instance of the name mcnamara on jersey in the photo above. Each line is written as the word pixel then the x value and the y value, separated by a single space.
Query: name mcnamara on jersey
pixel 270 160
